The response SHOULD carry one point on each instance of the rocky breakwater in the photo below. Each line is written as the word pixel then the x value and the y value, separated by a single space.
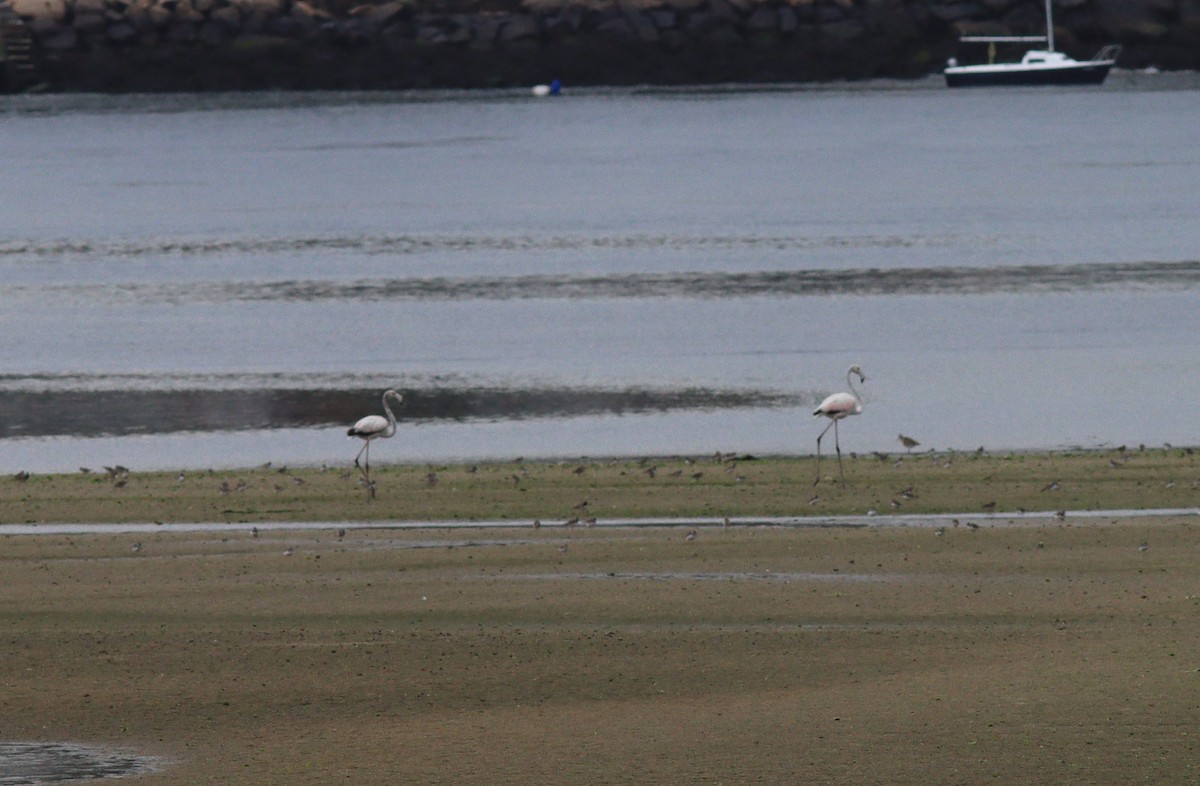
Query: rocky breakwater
pixel 155 45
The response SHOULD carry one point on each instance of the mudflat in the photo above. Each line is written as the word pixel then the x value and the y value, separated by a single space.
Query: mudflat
pixel 553 492
pixel 1038 652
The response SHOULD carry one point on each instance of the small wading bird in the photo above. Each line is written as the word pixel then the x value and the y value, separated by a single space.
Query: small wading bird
pixel 374 427
pixel 837 407
pixel 908 442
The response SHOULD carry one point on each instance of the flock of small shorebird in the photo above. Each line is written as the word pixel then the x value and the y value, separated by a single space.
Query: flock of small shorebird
pixel 836 407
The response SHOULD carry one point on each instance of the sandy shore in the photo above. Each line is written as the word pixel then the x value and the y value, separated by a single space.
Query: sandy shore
pixel 1043 653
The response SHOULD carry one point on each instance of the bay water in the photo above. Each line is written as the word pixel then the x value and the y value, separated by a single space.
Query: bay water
pixel 225 280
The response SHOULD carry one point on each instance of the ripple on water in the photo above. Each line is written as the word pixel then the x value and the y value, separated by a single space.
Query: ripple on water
pixel 35 763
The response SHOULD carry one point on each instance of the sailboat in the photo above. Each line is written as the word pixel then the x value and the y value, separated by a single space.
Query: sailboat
pixel 1037 67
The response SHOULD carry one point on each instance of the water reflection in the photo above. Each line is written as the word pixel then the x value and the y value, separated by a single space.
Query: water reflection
pixel 1025 279
pixel 92 413
pixel 32 763
pixel 424 244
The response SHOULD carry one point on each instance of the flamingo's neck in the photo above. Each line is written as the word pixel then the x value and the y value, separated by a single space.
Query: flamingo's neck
pixel 391 429
pixel 853 390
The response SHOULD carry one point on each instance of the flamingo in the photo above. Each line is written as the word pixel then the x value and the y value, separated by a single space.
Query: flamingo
pixel 374 427
pixel 836 407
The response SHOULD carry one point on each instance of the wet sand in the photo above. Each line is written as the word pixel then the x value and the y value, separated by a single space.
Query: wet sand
pixel 1030 654
pixel 1041 652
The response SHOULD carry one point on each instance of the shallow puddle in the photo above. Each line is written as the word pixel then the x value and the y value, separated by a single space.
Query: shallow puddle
pixel 700 576
pixel 36 763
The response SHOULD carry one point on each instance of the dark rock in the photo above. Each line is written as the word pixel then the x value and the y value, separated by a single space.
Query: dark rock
pixel 211 34
pixel 159 15
pixel 1189 13
pixel 953 12
pixel 517 27
pixel 186 12
pixel 121 33
pixel 616 28
pixel 387 13
pixel 89 23
pixel 842 31
pixel 484 32
pixel 685 6
pixel 723 10
pixel 787 19
pixel 62 40
pixel 183 33
pixel 703 22
pixel 563 22
pixel 227 17
pixel 460 30
pixel 672 40
pixel 829 12
pixel 723 37
pixel 1129 20
pixel 430 35
pixel 764 18
pixel 40 11
pixel 663 18
pixel 643 28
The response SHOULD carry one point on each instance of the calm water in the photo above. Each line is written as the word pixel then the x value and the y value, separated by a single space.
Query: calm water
pixel 216 281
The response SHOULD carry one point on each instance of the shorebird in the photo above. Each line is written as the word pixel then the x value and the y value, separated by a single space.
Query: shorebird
pixel 908 442
pixel 838 407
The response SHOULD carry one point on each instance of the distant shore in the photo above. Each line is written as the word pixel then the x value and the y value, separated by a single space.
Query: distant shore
pixel 202 45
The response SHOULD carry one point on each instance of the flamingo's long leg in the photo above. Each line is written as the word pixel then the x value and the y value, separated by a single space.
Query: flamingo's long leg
pixel 832 422
pixel 838 446
pixel 370 483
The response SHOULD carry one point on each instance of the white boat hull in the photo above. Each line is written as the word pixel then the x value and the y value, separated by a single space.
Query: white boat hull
pixel 1088 72
pixel 1037 67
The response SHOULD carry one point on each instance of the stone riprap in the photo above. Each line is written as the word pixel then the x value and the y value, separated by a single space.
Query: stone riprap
pixel 156 45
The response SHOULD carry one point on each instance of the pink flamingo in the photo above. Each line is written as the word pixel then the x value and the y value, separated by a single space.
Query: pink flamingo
pixel 374 427
pixel 836 407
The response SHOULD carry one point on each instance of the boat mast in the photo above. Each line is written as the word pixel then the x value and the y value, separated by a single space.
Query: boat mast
pixel 1049 28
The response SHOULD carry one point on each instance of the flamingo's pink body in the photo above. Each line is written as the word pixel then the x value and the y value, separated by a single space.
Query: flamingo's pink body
pixel 374 427
pixel 838 407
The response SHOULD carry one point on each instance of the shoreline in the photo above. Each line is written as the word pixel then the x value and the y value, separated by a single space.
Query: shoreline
pixel 591 491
